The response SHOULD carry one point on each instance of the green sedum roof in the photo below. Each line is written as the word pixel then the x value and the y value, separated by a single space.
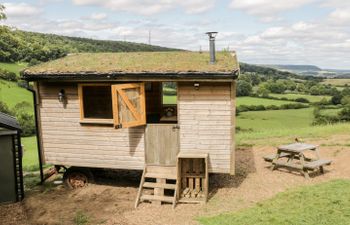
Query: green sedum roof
pixel 137 62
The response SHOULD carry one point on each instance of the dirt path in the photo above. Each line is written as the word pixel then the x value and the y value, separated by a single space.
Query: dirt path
pixel 113 203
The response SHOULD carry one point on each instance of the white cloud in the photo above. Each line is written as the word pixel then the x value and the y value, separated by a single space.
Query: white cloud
pixel 340 16
pixel 98 16
pixel 150 7
pixel 267 10
pixel 21 10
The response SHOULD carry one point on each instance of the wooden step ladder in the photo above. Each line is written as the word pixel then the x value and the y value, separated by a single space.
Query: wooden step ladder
pixel 158 179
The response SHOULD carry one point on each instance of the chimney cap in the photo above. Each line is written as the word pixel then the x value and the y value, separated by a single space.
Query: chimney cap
pixel 212 34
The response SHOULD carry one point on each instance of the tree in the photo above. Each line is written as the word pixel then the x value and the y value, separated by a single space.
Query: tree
pixel 301 87
pixel 2 13
pixel 263 91
pixel 346 100
pixel 244 88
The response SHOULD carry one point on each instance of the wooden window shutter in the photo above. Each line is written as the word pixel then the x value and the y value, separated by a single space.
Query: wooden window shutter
pixel 129 106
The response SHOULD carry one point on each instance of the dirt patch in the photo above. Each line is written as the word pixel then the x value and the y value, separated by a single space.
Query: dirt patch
pixel 111 201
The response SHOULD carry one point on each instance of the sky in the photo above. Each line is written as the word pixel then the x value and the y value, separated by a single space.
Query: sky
pixel 314 32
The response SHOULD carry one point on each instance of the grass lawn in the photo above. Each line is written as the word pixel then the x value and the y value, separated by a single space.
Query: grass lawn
pixel 169 99
pixel 11 94
pixel 13 67
pixel 275 119
pixel 260 101
pixel 30 156
pixel 330 112
pixel 311 98
pixel 326 203
pixel 337 82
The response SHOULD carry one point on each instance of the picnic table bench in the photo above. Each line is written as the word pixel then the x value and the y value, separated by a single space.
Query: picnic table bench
pixel 292 156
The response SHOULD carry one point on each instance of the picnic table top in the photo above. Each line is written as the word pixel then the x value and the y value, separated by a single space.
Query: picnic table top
pixel 297 147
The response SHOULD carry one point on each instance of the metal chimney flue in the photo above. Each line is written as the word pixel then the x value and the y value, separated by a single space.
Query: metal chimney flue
pixel 212 36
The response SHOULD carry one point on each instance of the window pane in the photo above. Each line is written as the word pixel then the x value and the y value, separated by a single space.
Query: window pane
pixel 97 102
pixel 169 93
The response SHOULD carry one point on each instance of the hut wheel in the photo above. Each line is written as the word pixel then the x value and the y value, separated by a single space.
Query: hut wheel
pixel 76 177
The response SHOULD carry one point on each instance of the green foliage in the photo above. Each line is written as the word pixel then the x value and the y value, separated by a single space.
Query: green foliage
pixel 2 13
pixel 302 100
pixel 345 100
pixel 25 119
pixel 81 218
pixel 17 45
pixel 325 203
pixel 344 114
pixel 7 75
pixel 245 108
pixel 244 88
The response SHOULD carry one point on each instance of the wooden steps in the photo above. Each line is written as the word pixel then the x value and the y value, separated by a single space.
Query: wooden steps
pixel 158 178
pixel 157 198
pixel 161 176
pixel 159 185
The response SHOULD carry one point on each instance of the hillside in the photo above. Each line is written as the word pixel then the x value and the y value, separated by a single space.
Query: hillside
pixel 311 70
pixel 17 45
pixel 296 67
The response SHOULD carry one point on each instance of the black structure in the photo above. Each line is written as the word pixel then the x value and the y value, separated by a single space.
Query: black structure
pixel 11 173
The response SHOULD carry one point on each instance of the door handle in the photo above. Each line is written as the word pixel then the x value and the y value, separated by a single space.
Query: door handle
pixel 176 127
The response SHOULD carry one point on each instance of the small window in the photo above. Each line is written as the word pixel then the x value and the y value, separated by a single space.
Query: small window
pixel 96 103
pixel 120 104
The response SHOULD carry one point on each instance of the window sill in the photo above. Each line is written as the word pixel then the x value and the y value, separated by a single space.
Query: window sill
pixel 97 121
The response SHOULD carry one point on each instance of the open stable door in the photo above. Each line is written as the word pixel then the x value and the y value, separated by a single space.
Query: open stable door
pixel 129 108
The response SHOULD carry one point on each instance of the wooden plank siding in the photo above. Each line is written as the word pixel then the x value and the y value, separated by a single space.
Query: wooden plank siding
pixel 205 120
pixel 204 117
pixel 67 142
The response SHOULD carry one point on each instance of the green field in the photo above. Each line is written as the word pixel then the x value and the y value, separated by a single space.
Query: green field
pixel 169 99
pixel 11 94
pixel 260 101
pixel 326 203
pixel 13 67
pixel 337 82
pixel 311 98
pixel 30 155
pixel 275 119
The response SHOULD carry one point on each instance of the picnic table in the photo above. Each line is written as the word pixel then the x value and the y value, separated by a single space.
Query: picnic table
pixel 292 156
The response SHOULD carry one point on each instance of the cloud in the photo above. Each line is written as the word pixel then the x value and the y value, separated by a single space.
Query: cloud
pixel 150 7
pixel 21 10
pixel 98 16
pixel 267 10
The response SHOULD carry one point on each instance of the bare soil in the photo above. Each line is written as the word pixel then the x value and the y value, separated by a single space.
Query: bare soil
pixel 110 201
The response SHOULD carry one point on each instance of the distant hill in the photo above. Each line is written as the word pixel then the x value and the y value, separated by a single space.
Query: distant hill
pixel 296 67
pixel 32 47
pixel 311 70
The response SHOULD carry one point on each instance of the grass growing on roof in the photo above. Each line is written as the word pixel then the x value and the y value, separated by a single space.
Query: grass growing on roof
pixel 327 203
pixel 138 62
pixel 260 101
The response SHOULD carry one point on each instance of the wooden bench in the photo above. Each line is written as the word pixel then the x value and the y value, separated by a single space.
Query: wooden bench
pixel 271 157
pixel 317 164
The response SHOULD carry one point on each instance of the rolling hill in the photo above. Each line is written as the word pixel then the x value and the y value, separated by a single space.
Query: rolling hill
pixel 17 45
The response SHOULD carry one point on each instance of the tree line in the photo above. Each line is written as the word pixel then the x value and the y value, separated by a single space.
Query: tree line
pixel 17 45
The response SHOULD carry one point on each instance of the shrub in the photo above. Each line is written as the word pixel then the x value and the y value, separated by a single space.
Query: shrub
pixel 5 109
pixel 27 123
pixel 302 100
pixel 7 75
pixel 344 114
pixel 272 107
